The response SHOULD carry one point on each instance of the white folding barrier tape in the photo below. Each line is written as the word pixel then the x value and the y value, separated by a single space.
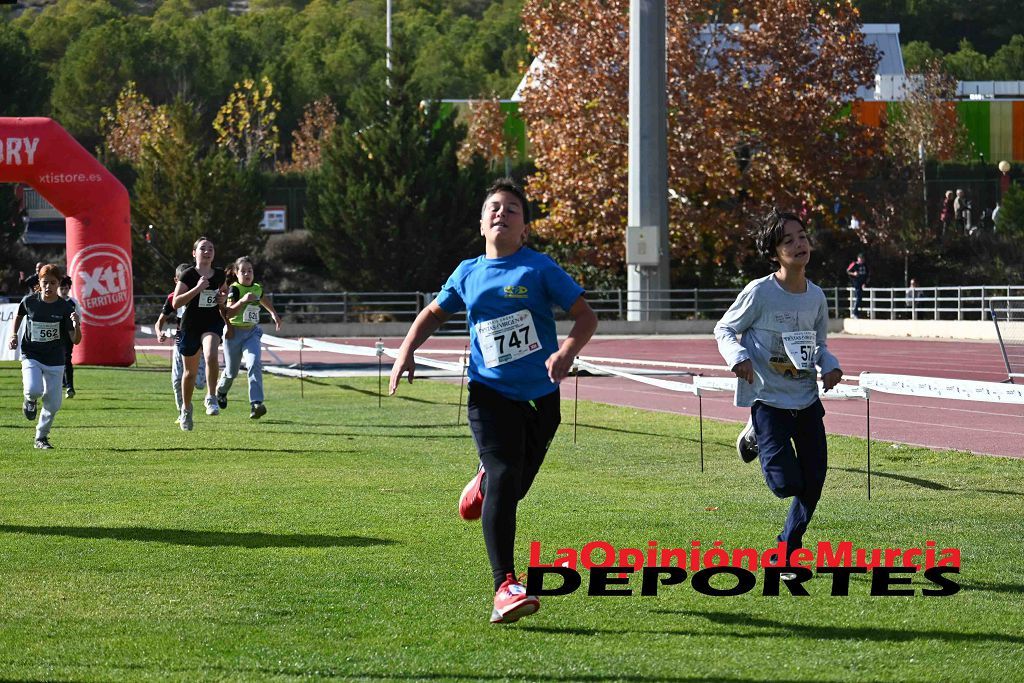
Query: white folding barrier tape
pixel 351 350
pixel 715 383
pixel 662 383
pixel 281 342
pixel 937 387
pixel 657 363
pixel 932 387
pixel 842 392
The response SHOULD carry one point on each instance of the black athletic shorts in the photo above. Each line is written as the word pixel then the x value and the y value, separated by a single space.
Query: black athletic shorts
pixel 191 341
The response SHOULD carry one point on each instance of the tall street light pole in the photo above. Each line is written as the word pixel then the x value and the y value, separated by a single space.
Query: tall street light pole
pixel 387 37
pixel 647 246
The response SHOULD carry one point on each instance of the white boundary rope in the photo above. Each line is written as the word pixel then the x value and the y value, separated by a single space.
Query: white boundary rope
pixel 906 385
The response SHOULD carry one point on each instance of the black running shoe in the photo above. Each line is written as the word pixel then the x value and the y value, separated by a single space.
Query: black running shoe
pixel 43 443
pixel 30 409
pixel 222 400
pixel 746 443
pixel 257 410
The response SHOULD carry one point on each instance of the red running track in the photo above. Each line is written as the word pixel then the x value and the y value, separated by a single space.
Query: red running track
pixel 984 428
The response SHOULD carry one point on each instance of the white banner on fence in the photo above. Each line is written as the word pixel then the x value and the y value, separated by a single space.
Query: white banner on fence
pixel 937 387
pixel 8 312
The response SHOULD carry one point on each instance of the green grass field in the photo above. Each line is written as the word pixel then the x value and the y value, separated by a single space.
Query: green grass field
pixel 322 542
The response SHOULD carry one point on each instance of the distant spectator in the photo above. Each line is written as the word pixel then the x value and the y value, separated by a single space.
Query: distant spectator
pixel 962 209
pixel 913 296
pixel 948 213
pixel 64 291
pixel 859 275
pixel 32 280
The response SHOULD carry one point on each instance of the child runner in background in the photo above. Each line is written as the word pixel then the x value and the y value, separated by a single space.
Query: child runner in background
pixel 245 297
pixel 783 320
pixel 514 369
pixel 200 290
pixel 169 315
pixel 49 321
pixel 64 290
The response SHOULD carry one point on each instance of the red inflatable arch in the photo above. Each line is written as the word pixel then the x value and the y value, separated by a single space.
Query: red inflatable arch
pixel 38 152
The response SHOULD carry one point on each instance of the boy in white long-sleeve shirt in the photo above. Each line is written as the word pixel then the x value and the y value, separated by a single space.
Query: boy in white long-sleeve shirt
pixel 782 322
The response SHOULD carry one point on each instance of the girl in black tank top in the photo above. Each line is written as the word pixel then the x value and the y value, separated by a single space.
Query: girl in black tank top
pixel 201 291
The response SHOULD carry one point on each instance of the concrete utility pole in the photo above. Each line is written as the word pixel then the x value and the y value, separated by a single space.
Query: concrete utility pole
pixel 647 246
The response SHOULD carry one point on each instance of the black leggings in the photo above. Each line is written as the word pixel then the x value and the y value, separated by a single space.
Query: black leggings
pixel 69 370
pixel 512 438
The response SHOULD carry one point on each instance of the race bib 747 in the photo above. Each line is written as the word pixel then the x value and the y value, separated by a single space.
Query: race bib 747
pixel 505 339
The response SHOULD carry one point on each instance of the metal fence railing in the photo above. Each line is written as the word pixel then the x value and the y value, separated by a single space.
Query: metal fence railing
pixel 921 303
pixel 939 303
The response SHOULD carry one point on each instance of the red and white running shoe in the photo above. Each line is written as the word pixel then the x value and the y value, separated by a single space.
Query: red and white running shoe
pixel 511 603
pixel 471 502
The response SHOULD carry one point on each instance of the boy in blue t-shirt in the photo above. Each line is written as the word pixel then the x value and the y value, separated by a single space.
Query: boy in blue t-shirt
pixel 783 320
pixel 514 368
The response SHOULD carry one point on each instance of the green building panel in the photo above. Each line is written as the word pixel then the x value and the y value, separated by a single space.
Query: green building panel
pixel 977 118
pixel 1001 126
pixel 515 128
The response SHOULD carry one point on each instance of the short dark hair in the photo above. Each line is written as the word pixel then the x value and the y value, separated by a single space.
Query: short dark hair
pixel 66 282
pixel 512 187
pixel 180 270
pixel 772 230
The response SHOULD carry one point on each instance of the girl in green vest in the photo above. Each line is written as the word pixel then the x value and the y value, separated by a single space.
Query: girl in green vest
pixel 245 297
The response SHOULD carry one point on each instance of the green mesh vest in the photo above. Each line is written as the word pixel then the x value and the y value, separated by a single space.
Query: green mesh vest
pixel 250 315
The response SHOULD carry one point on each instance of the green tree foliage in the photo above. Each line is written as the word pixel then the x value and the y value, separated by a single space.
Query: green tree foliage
pixel 917 54
pixel 183 192
pixel 1007 64
pixel 24 87
pixel 93 71
pixel 1011 213
pixel 987 24
pixel 967 64
pixel 53 30
pixel 460 57
pixel 390 209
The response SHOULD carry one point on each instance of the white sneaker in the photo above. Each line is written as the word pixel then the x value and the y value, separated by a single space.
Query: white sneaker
pixel 746 443
pixel 186 420
pixel 211 405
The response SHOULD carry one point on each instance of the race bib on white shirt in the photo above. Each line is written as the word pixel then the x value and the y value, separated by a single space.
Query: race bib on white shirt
pixel 800 348
pixel 507 338
pixel 43 332
pixel 207 298
pixel 251 315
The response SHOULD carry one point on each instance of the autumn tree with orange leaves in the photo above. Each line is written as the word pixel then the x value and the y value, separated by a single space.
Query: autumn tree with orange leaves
pixel 756 93
pixel 318 121
pixel 485 136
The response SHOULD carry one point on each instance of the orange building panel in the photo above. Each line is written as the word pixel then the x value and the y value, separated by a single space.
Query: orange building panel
pixel 869 113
